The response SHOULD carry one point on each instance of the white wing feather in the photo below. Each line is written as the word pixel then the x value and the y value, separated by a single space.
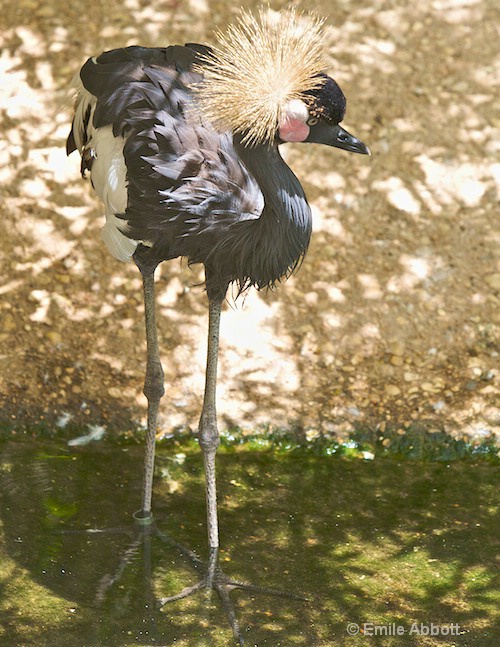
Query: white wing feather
pixel 108 174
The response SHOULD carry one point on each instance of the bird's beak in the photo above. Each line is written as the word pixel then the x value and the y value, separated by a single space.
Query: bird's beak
pixel 338 137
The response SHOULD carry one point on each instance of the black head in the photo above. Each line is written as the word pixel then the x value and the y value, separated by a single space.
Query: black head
pixel 317 120
pixel 327 102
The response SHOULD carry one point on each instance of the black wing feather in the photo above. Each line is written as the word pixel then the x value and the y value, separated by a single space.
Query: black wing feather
pixel 187 189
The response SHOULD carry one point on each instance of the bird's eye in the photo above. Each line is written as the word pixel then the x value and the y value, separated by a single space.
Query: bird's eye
pixel 312 121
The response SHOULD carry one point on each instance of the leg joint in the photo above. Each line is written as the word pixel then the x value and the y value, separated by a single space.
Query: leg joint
pixel 210 444
pixel 208 432
pixel 154 388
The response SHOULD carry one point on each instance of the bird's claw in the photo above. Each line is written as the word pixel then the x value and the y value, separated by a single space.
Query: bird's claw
pixel 216 580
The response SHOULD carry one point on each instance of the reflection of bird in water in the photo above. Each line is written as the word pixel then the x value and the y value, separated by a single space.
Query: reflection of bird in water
pixel 181 144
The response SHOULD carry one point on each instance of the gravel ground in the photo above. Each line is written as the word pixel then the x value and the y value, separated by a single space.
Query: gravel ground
pixel 390 322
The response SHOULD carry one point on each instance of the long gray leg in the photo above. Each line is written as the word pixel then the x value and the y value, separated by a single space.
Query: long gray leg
pixel 208 432
pixel 153 386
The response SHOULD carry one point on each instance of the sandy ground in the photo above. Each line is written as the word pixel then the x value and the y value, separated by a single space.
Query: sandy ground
pixel 391 320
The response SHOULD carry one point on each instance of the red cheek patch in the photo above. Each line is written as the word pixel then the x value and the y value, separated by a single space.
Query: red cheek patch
pixel 293 130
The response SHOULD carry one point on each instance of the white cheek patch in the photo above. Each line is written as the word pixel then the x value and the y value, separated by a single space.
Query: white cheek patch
pixel 297 109
pixel 294 126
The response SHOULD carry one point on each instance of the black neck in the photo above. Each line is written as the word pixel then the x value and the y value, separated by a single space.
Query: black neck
pixel 285 223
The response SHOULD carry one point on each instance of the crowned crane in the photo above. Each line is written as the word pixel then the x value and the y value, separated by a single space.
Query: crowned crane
pixel 182 146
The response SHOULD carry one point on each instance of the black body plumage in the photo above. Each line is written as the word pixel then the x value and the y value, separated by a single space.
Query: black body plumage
pixel 192 191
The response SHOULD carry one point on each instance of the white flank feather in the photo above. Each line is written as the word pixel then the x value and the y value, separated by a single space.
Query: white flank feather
pixel 109 179
pixel 83 100
pixel 108 172
pixel 120 246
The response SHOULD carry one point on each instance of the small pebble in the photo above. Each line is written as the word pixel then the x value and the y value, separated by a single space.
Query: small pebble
pixel 54 337
pixel 493 280
pixel 397 348
pixel 8 323
pixel 392 390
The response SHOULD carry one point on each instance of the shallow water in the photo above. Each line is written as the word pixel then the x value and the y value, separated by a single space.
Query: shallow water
pixel 374 541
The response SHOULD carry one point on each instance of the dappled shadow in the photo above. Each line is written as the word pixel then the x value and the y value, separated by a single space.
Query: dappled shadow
pixel 377 542
pixel 389 323
pixel 390 319
pixel 71 321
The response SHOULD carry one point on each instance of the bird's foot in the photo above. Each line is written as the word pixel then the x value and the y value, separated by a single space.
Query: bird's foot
pixel 215 579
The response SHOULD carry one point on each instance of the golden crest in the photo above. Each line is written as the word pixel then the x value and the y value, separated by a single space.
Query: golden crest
pixel 258 66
